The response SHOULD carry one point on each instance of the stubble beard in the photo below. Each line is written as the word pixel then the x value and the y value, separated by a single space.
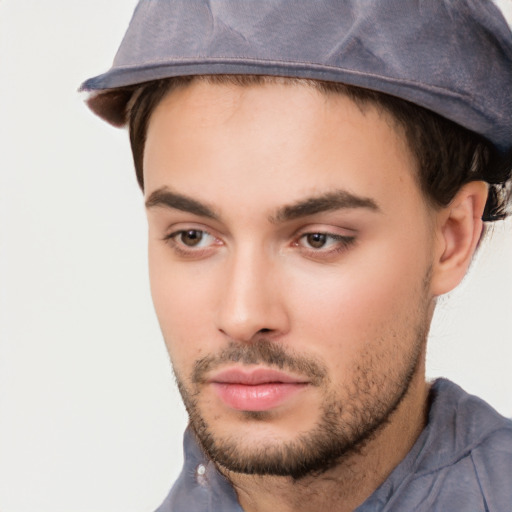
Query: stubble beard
pixel 344 425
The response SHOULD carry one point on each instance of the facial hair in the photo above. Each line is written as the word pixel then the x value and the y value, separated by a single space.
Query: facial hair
pixel 344 424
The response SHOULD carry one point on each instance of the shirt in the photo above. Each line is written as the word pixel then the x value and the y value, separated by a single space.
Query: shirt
pixel 462 461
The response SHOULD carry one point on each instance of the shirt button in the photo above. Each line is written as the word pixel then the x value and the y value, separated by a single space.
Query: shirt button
pixel 201 470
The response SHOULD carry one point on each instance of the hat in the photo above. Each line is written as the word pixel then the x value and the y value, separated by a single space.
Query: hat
pixel 453 57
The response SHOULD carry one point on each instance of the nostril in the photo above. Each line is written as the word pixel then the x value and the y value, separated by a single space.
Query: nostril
pixel 263 331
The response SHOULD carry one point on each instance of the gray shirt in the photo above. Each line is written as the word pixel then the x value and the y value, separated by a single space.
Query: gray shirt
pixel 461 462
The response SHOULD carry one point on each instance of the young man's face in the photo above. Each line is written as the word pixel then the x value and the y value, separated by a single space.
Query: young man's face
pixel 290 251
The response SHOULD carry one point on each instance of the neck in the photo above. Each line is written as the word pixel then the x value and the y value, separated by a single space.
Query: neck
pixel 347 485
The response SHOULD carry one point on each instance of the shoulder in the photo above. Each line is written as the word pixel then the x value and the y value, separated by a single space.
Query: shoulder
pixel 468 464
pixel 476 479
pixel 462 461
pixel 492 460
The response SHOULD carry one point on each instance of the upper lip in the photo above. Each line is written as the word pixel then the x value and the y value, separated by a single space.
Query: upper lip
pixel 253 377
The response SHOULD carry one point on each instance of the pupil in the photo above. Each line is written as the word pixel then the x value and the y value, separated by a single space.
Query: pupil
pixel 192 237
pixel 317 240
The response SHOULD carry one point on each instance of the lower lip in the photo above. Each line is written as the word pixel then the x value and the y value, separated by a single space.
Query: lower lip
pixel 259 397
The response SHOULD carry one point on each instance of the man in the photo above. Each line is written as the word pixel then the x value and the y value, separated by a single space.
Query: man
pixel 315 175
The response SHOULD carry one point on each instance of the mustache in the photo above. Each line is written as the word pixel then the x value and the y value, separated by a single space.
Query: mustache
pixel 261 351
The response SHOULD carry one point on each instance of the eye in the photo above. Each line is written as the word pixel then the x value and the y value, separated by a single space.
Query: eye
pixel 191 237
pixel 325 242
pixel 190 241
pixel 316 240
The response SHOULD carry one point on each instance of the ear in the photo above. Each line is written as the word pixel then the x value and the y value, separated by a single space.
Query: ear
pixel 458 231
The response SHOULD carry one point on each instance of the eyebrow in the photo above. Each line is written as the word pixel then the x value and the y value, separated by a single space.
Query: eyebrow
pixel 164 197
pixel 331 201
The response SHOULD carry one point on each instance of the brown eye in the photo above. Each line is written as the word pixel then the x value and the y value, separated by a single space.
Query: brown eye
pixel 192 243
pixel 191 238
pixel 316 240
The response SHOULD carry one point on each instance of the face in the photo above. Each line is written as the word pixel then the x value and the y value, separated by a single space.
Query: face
pixel 289 252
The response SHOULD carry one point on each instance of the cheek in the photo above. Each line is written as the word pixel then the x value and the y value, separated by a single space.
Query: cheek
pixel 372 302
pixel 181 301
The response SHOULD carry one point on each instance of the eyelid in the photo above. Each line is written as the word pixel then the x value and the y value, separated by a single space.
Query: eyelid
pixel 176 232
pixel 326 229
pixel 194 252
pixel 339 238
pixel 339 242
pixel 172 229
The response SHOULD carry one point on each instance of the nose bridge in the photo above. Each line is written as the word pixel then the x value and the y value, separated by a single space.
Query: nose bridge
pixel 250 302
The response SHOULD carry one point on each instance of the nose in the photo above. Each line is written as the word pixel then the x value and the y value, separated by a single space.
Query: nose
pixel 252 302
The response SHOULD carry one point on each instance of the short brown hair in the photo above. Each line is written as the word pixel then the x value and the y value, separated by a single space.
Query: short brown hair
pixel 448 155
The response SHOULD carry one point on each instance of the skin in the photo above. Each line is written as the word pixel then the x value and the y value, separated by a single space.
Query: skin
pixel 350 288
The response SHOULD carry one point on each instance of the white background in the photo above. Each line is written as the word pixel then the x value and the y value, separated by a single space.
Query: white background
pixel 89 417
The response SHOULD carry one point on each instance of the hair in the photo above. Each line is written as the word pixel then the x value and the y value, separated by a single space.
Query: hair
pixel 448 155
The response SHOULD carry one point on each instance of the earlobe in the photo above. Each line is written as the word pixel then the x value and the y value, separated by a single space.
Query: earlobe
pixel 458 231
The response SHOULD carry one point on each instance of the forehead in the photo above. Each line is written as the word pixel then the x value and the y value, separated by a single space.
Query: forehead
pixel 289 139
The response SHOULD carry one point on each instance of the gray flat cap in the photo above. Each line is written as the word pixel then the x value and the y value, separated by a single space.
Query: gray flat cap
pixel 453 57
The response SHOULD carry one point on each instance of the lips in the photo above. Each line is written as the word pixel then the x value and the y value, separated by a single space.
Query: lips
pixel 260 389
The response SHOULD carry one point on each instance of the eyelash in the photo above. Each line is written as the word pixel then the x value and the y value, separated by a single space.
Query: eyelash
pixel 181 249
pixel 340 242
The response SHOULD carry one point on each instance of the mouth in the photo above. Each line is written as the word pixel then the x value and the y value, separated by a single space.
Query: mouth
pixel 259 389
